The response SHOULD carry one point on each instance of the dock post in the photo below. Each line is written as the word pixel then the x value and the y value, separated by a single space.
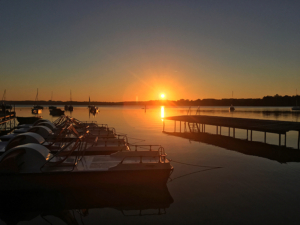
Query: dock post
pixel 234 132
pixel 247 135
pixel 220 130
pixel 217 130
pixel 251 135
pixel 198 127
pixel 298 139
pixel 180 126
pixel 279 139
pixel 229 131
pixel 265 137
pixel 174 126
pixel 285 139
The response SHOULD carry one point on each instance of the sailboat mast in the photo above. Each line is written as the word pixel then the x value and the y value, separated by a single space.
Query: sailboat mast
pixel 3 97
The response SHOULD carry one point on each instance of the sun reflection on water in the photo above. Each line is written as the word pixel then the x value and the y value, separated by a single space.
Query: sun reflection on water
pixel 162 113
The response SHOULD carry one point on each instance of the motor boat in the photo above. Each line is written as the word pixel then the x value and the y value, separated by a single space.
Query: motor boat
pixel 231 108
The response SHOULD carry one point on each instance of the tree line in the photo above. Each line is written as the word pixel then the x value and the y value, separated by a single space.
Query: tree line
pixel 275 100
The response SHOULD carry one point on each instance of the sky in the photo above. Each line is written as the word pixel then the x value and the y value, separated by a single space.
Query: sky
pixel 136 50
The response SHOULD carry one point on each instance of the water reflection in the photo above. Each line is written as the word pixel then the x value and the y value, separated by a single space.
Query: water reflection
pixel 273 152
pixel 73 205
pixel 162 113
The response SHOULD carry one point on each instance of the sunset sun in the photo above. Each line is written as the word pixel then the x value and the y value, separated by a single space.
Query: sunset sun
pixel 162 95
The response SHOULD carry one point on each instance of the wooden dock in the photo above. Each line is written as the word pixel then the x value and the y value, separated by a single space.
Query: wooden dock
pixel 196 123
pixel 7 121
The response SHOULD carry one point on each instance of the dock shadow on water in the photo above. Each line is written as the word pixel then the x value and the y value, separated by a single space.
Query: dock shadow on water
pixel 277 153
pixel 72 206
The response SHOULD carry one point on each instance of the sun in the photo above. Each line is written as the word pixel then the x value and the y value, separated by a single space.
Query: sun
pixel 162 95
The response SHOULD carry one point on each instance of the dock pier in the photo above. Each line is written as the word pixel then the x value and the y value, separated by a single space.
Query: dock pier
pixel 196 124
pixel 7 121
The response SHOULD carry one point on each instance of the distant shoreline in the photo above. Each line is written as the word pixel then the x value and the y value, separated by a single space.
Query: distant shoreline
pixel 276 100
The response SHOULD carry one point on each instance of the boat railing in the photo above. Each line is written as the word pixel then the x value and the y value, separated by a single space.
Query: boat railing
pixel 89 122
pixel 161 159
pixel 108 141
pixel 64 153
pixel 123 137
pixel 160 149
pixel 112 129
pixel 103 125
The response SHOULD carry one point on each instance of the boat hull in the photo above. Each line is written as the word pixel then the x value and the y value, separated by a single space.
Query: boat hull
pixel 28 120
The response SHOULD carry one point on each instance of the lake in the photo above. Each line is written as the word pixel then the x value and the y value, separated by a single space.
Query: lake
pixel 244 189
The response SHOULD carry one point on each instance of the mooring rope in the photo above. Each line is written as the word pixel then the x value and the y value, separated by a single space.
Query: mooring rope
pixel 188 164
pixel 213 167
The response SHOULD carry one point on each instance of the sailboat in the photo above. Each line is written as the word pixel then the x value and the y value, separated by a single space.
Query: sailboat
pixel 69 107
pixel 36 108
pixel 52 106
pixel 5 106
pixel 231 108
pixel 296 108
pixel 93 109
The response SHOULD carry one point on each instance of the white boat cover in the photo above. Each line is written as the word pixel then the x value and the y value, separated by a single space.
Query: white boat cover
pixel 47 124
pixel 24 138
pixel 30 160
pixel 41 130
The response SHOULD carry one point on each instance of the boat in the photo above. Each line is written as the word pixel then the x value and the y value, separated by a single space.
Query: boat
pixel 28 120
pixel 52 107
pixel 296 108
pixel 36 108
pixel 36 111
pixel 57 112
pixel 32 166
pixel 231 108
pixel 44 131
pixel 93 109
pixel 3 105
pixel 69 107
pixel 21 139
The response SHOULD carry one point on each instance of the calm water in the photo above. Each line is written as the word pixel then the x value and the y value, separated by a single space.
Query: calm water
pixel 246 190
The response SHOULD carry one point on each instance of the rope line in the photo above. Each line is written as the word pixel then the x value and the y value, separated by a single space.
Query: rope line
pixel 213 167
pixel 172 179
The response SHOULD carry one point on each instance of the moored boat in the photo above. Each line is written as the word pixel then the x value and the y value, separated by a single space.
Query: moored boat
pixel 57 112
pixel 32 166
pixel 28 120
